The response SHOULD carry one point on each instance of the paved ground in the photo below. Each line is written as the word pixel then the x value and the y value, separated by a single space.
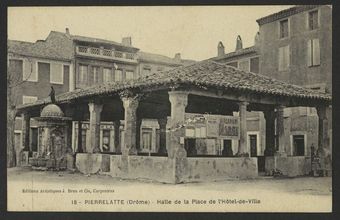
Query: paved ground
pixel 67 191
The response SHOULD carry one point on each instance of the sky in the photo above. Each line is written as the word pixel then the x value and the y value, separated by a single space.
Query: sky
pixel 193 31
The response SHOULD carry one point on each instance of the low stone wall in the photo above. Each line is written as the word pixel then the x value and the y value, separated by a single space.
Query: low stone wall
pixel 212 169
pixel 289 166
pixel 92 163
pixel 160 169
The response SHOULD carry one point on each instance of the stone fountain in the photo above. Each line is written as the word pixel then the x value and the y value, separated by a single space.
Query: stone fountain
pixel 54 149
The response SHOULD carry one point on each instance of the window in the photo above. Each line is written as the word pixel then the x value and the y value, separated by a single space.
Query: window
pixel 255 65
pixel 43 69
pixel 57 73
pixel 29 99
pixel 107 75
pixel 284 28
pixel 29 74
pixel 284 58
pixel 83 73
pixel 129 75
pixel 106 140
pixel 146 71
pixel 95 74
pixel 313 20
pixel 16 69
pixel 146 139
pixel 118 75
pixel 313 51
pixel 244 65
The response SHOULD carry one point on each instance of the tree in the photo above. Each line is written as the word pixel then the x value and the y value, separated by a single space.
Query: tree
pixel 14 80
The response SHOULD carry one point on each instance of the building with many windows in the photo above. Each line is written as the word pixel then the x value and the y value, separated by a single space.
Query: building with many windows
pixel 32 69
pixel 70 62
pixel 294 46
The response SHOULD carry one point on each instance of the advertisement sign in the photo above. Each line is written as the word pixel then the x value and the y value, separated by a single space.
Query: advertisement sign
pixel 229 127
pixel 212 126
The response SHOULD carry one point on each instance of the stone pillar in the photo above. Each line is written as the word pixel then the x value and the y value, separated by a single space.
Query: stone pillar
pixel 269 115
pixel 179 101
pixel 323 151
pixel 242 146
pixel 95 110
pixel 138 131
pixel 130 127
pixel 22 154
pixel 176 150
pixel 26 131
pixel 116 125
pixel 280 131
pixel 323 129
pixel 162 135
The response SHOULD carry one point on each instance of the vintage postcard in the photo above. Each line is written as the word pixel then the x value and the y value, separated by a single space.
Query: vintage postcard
pixel 170 108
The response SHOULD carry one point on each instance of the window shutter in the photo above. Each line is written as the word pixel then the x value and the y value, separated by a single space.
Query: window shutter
pixel 280 58
pixel 56 73
pixel 316 52
pixel 27 70
pixel 309 53
pixel 287 57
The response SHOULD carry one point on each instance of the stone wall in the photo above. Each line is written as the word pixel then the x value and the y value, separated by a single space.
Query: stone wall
pixel 289 166
pixel 298 73
pixel 92 163
pixel 212 169
pixel 160 169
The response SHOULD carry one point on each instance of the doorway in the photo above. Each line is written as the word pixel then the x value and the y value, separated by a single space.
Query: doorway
pixel 227 149
pixel 253 145
pixel 190 146
pixel 34 139
pixel 298 145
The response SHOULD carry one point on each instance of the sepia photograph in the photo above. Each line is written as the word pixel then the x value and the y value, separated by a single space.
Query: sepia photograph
pixel 169 108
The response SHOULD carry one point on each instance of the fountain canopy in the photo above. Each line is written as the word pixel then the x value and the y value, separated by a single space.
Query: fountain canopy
pixel 52 112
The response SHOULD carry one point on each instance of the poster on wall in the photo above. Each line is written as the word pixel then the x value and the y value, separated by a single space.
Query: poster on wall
pixel 229 127
pixel 212 126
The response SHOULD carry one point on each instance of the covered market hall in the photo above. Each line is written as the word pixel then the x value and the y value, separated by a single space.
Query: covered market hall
pixel 199 107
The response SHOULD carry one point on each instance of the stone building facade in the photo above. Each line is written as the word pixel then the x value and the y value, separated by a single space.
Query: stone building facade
pixel 70 62
pixel 294 46
pixel 32 69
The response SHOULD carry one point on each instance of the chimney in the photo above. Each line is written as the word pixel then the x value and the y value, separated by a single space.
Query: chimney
pixel 67 31
pixel 257 39
pixel 238 43
pixel 220 49
pixel 177 57
pixel 126 41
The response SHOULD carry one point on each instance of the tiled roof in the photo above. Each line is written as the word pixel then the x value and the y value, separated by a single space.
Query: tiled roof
pixel 285 13
pixel 236 53
pixel 202 74
pixel 58 48
pixel 157 58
